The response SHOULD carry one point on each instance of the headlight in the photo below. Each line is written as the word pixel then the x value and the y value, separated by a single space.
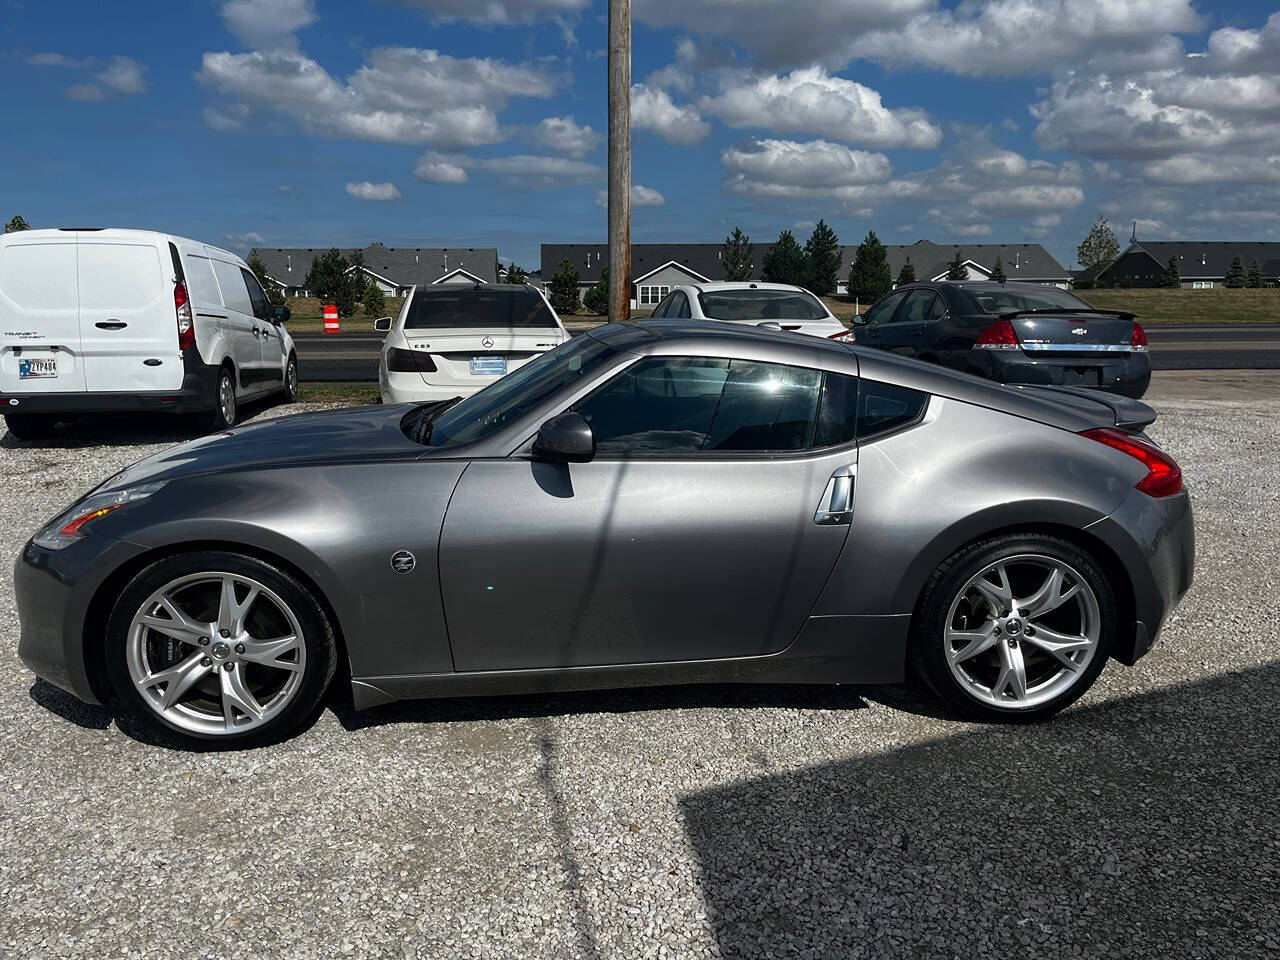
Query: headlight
pixel 69 525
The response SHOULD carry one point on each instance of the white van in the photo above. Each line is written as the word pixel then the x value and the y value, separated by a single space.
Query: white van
pixel 106 320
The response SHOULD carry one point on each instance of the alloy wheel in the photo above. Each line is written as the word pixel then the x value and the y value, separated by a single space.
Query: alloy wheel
pixel 227 399
pixel 216 653
pixel 1022 631
pixel 291 379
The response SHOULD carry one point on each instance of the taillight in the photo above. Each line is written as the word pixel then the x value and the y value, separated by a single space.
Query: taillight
pixel 182 309
pixel 845 335
pixel 1164 477
pixel 1138 341
pixel 409 361
pixel 999 336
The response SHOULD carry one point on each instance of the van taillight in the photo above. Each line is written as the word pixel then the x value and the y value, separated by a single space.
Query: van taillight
pixel 999 336
pixel 1164 477
pixel 182 308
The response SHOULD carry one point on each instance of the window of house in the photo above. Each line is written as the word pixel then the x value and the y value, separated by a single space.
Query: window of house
pixel 1202 285
pixel 651 295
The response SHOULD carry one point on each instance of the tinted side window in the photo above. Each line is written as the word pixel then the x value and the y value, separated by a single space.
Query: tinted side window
pixel 261 309
pixel 883 407
pixel 689 405
pixel 679 306
pixel 838 411
pixel 918 306
pixel 663 307
pixel 882 312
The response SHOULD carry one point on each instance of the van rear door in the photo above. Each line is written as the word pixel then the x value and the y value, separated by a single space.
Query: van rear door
pixel 128 325
pixel 39 315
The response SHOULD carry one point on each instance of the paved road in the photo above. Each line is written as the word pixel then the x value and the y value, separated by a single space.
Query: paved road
pixel 1189 347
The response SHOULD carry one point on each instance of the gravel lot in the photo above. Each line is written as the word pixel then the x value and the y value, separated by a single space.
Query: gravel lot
pixel 754 822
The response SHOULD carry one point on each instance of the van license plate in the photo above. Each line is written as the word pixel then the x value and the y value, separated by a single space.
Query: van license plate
pixel 34 369
pixel 488 366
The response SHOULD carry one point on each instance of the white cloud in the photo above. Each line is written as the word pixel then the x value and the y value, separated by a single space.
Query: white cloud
pixel 785 168
pixel 286 191
pixel 84 92
pixel 226 118
pixel 364 190
pixel 268 24
pixel 124 75
pixel 497 12
pixel 49 59
pixel 653 109
pixel 1027 198
pixel 1046 221
pixel 401 95
pixel 243 241
pixel 565 136
pixel 640 197
pixel 121 75
pixel 812 101
pixel 434 168
pixel 518 170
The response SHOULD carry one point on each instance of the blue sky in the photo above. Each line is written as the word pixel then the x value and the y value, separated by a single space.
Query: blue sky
pixel 479 122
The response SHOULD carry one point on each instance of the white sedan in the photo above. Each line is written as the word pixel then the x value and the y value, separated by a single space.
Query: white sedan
pixel 775 306
pixel 452 340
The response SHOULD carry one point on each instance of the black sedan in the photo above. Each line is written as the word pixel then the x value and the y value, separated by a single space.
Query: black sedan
pixel 1021 333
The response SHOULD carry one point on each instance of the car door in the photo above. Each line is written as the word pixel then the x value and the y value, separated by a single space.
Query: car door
pixel 270 341
pixel 690 536
pixel 906 331
pixel 241 325
pixel 39 316
pixel 874 331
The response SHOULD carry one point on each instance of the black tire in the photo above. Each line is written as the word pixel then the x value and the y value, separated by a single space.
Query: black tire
pixel 220 417
pixel 291 387
pixel 316 634
pixel 31 426
pixel 928 646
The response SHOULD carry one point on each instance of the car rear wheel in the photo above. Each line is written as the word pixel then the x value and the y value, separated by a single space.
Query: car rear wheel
pixel 291 379
pixel 30 426
pixel 1014 628
pixel 219 647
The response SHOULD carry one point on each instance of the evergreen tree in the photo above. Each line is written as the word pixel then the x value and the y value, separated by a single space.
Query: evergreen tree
pixel 822 256
pixel 1169 276
pixel 736 256
pixel 562 291
pixel 785 262
pixel 997 273
pixel 596 299
pixel 516 273
pixel 16 224
pixel 1235 278
pixel 1099 248
pixel 329 280
pixel 1255 275
pixel 870 277
pixel 374 301
pixel 907 274
pixel 956 270
pixel 360 281
pixel 259 270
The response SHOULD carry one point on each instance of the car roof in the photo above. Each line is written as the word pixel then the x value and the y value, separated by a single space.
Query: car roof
pixel 118 233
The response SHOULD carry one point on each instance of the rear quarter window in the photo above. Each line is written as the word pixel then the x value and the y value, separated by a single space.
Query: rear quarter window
pixel 885 407
pixel 39 276
pixel 119 276
pixel 234 293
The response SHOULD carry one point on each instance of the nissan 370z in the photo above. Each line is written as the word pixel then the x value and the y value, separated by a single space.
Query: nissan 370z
pixel 675 502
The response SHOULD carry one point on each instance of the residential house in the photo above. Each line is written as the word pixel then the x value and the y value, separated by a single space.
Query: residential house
pixel 1024 262
pixel 1202 264
pixel 393 269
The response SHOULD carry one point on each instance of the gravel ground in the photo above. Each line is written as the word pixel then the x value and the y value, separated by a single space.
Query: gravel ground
pixel 753 822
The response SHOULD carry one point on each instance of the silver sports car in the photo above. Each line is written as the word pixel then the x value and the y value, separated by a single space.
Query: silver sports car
pixel 670 502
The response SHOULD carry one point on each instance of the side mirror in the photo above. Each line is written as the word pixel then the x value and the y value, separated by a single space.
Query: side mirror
pixel 383 324
pixel 770 324
pixel 282 314
pixel 567 438
pixel 860 319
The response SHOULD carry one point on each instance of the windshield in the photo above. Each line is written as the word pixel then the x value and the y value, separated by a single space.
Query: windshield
pixel 1009 301
pixel 470 307
pixel 761 305
pixel 510 398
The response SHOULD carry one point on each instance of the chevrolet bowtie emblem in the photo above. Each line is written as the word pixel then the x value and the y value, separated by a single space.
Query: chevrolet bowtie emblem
pixel 1079 331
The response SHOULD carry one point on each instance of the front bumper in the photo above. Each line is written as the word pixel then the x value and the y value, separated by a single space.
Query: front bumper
pixel 1128 374
pixel 1154 538
pixel 54 589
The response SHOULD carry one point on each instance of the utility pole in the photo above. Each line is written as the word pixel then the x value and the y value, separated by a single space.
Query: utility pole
pixel 619 160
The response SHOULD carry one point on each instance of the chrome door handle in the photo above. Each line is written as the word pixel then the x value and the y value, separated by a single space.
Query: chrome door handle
pixel 255 331
pixel 836 506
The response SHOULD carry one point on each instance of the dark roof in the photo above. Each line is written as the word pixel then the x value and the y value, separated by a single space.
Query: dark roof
pixel 1022 261
pixel 403 266
pixel 1209 259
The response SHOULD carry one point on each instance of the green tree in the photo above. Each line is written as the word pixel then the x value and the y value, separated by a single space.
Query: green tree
pixel 784 262
pixel 16 224
pixel 870 277
pixel 997 272
pixel 1235 278
pixel 596 299
pixel 374 301
pixel 822 256
pixel 259 270
pixel 1169 276
pixel 907 274
pixel 736 256
pixel 562 291
pixel 956 270
pixel 1099 248
pixel 329 280
pixel 360 281
pixel 516 273
pixel 1255 275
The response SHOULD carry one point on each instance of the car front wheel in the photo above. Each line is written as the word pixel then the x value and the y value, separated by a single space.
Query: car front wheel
pixel 219 647
pixel 1014 628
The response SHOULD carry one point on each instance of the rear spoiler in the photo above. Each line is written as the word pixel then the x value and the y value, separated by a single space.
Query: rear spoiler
pixel 1129 414
pixel 1010 314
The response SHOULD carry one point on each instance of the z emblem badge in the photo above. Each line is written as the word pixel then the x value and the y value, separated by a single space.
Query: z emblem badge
pixel 402 561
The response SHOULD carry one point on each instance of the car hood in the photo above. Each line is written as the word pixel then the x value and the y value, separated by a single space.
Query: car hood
pixel 330 436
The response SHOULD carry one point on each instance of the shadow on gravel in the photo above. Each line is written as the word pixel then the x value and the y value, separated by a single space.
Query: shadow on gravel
pixel 1142 827
pixel 694 697
pixel 128 430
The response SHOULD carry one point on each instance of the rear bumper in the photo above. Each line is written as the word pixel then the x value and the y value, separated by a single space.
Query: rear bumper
pixel 1127 374
pixel 412 388
pixel 1155 541
pixel 197 394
